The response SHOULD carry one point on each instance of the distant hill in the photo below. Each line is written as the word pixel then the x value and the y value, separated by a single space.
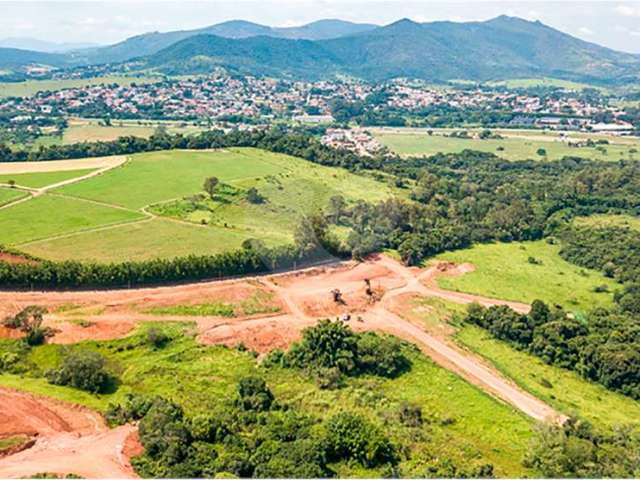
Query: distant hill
pixel 14 58
pixel 34 44
pixel 252 55
pixel 150 43
pixel 502 48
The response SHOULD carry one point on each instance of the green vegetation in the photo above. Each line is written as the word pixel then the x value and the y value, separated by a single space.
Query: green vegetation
pixel 565 390
pixel 198 310
pixel 8 195
pixel 169 184
pixel 525 271
pixel 459 430
pixel 31 87
pixel 51 215
pixel 518 145
pixel 606 221
pixel 43 179
pixel 545 82
pixel 11 442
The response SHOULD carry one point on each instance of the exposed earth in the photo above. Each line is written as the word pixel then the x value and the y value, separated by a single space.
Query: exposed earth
pixel 282 306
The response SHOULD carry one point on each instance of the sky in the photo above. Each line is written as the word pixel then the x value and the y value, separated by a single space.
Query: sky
pixel 615 24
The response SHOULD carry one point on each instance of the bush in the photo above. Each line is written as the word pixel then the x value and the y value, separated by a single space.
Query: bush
pixel 133 408
pixel 352 437
pixel 254 394
pixel 82 369
pixel 157 338
pixel 381 356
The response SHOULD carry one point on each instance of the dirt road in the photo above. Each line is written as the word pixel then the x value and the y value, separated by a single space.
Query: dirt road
pixel 302 298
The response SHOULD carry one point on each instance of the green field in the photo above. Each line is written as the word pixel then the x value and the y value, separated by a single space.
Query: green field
pixel 43 179
pixel 517 145
pixel 461 423
pixel 31 87
pixel 568 393
pixel 93 130
pixel 503 271
pixel 159 186
pixel 8 195
pixel 49 215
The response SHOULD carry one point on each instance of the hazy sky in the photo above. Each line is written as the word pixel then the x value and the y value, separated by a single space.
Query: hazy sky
pixel 615 24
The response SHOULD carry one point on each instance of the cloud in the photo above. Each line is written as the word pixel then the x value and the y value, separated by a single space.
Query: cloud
pixel 628 11
pixel 585 31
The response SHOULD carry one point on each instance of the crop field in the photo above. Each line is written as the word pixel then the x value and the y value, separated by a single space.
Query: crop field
pixel 43 179
pixel 526 271
pixel 92 130
pixel 515 145
pixel 563 389
pixel 461 422
pixel 93 216
pixel 31 87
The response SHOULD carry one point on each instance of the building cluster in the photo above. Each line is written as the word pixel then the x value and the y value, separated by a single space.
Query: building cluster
pixel 355 139
pixel 250 100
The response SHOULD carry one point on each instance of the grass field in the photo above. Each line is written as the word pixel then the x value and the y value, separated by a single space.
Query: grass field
pixel 43 179
pixel 569 393
pixel 154 186
pixel 49 215
pixel 503 271
pixel 92 130
pixel 461 422
pixel 8 195
pixel 608 221
pixel 31 87
pixel 517 145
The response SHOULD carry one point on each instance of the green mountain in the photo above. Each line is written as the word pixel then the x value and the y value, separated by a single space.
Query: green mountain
pixel 150 43
pixel 14 58
pixel 501 48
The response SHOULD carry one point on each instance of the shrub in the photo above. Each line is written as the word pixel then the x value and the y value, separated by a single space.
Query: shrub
pixel 82 369
pixel 157 338
pixel 254 394
pixel 133 408
pixel 410 414
pixel 381 355
pixel 352 437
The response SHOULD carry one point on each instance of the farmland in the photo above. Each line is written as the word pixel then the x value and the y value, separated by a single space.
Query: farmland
pixel 526 271
pixel 93 217
pixel 92 130
pixel 515 145
pixel 8 195
pixel 43 179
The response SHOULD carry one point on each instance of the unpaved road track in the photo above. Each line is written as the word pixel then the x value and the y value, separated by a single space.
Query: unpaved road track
pixel 306 298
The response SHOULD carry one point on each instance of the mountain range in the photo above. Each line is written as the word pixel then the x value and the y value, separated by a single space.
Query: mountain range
pixel 34 44
pixel 501 48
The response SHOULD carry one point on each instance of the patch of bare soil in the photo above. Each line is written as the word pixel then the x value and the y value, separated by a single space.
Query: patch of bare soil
pixel 15 259
pixel 67 439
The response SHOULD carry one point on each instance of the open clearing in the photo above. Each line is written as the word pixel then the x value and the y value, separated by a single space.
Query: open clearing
pixel 503 270
pixel 93 216
pixel 604 221
pixel 517 144
pixel 93 130
pixel 31 87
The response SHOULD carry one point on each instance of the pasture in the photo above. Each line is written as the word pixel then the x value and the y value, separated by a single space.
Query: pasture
pixel 145 209
pixel 462 423
pixel 93 130
pixel 544 82
pixel 604 221
pixel 515 145
pixel 8 195
pixel 526 271
pixel 31 87
pixel 43 179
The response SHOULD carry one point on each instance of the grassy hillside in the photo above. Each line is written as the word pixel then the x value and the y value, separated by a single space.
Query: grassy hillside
pixel 503 271
pixel 31 87
pixel 9 195
pixel 165 189
pixel 516 145
pixel 462 425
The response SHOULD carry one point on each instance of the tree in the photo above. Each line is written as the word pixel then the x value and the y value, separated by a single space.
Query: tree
pixel 254 394
pixel 253 196
pixel 211 185
pixel 29 321
pixel 541 152
pixel 82 369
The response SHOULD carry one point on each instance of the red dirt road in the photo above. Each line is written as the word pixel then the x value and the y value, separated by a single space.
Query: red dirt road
pixel 68 439
pixel 301 298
